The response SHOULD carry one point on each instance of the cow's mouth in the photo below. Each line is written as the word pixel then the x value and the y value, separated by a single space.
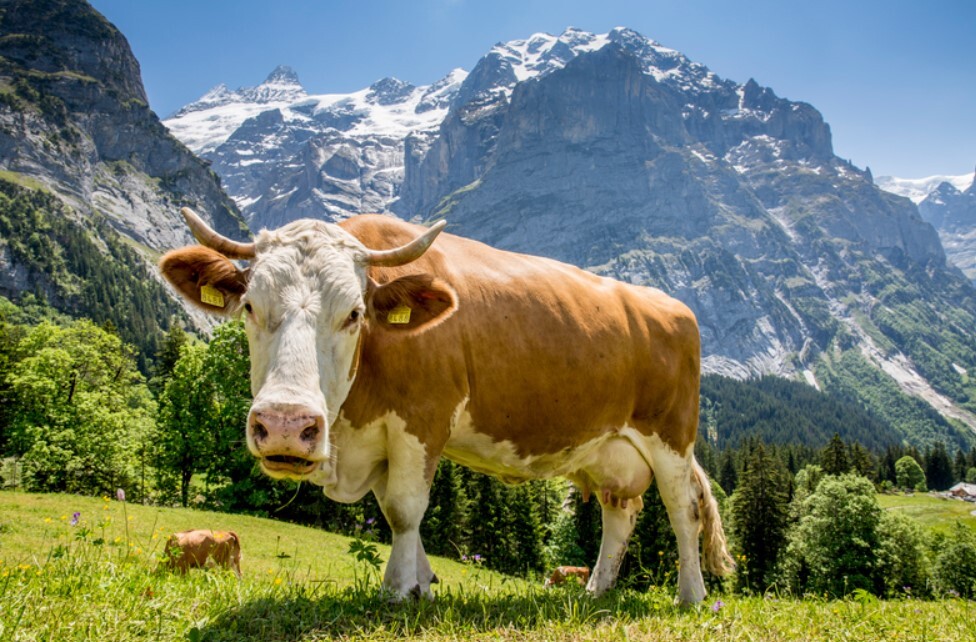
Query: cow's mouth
pixel 289 464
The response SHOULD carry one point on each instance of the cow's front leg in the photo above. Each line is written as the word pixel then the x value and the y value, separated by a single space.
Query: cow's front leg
pixel 403 494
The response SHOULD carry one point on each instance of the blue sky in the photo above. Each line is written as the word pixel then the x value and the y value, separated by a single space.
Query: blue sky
pixel 896 80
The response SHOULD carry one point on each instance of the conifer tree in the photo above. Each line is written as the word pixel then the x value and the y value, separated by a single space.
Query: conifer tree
pixel 728 476
pixel 442 529
pixel 861 461
pixel 166 357
pixel 938 468
pixel 833 458
pixel 760 514
pixel 486 536
pixel 959 466
pixel 522 532
pixel 653 549
pixel 588 525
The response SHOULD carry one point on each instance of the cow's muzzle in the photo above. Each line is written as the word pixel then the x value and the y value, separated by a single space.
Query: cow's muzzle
pixel 289 440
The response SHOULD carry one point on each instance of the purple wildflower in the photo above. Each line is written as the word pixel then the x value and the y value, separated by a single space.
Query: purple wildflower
pixel 120 495
pixel 477 559
pixel 74 519
pixel 717 606
pixel 370 521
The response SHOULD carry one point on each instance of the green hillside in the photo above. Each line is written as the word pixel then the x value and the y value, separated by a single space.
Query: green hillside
pixel 84 269
pixel 96 581
pixel 931 511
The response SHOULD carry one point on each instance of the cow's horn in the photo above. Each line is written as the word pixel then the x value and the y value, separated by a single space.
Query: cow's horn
pixel 406 253
pixel 207 236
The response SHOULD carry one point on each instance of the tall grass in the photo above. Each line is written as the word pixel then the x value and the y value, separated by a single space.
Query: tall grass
pixel 90 581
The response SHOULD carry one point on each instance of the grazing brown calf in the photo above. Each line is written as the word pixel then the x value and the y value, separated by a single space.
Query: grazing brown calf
pixel 563 573
pixel 191 549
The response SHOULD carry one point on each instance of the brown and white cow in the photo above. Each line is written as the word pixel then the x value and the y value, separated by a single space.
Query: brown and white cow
pixel 192 549
pixel 562 573
pixel 373 356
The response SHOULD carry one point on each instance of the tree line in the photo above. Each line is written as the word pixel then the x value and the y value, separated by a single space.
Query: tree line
pixel 77 415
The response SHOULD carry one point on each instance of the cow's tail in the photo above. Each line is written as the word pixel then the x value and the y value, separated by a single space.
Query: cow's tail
pixel 716 551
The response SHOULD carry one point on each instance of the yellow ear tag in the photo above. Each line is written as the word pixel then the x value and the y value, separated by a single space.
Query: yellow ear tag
pixel 211 296
pixel 399 315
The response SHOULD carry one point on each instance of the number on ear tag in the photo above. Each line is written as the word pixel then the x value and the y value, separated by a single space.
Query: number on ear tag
pixel 399 315
pixel 211 296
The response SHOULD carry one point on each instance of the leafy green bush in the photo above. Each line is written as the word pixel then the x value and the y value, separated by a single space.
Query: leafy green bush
pixel 910 474
pixel 902 563
pixel 955 566
pixel 80 414
pixel 832 549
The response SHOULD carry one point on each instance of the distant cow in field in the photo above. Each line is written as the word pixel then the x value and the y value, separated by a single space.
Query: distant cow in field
pixel 376 351
pixel 562 573
pixel 192 549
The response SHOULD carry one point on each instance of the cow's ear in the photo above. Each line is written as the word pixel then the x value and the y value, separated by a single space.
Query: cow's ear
pixel 206 278
pixel 411 303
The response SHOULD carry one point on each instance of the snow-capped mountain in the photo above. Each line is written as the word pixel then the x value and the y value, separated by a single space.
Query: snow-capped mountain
pixel 622 156
pixel 283 153
pixel 918 188
pixel 949 204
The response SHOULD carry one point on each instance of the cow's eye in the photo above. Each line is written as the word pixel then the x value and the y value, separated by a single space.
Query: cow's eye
pixel 248 308
pixel 353 318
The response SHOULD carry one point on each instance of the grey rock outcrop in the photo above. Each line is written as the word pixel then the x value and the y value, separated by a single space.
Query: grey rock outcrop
pixel 77 122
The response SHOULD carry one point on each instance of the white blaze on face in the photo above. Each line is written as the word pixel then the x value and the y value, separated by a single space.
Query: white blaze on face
pixel 304 310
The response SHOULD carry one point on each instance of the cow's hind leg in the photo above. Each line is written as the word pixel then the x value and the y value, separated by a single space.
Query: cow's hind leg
pixel 680 492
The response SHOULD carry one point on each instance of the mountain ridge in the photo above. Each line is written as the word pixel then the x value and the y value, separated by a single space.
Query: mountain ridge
pixel 75 125
pixel 617 154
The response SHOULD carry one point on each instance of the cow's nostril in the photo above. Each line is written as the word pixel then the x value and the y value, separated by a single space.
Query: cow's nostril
pixel 310 433
pixel 260 432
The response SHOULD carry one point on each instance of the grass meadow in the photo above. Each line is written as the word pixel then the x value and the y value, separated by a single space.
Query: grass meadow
pixel 97 580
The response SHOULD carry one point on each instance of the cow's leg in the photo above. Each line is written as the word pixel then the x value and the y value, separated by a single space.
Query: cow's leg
pixel 679 492
pixel 403 493
pixel 619 518
pixel 618 475
pixel 408 570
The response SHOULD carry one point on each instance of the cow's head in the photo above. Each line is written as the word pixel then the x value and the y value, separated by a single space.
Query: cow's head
pixel 308 303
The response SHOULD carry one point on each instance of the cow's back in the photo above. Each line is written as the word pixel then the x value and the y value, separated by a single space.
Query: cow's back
pixel 541 354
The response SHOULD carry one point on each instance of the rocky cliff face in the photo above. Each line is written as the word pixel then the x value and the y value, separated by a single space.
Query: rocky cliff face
pixel 74 119
pixel 632 161
pixel 622 156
